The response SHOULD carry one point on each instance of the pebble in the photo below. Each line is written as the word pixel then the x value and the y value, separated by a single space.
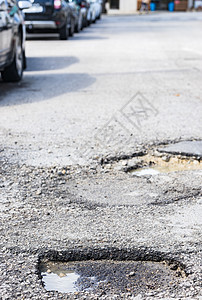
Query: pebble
pixel 131 274
pixel 38 192
pixel 166 158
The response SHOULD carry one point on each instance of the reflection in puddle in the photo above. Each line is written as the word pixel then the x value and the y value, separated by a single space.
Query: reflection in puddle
pixel 146 171
pixel 64 283
pixel 106 275
pixel 57 277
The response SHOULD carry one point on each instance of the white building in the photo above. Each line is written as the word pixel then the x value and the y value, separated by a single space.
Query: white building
pixel 122 6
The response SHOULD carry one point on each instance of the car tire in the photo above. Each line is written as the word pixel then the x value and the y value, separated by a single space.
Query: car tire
pixel 78 26
pixel 85 22
pixel 90 21
pixel 94 20
pixel 14 71
pixel 71 29
pixel 64 32
pixel 24 61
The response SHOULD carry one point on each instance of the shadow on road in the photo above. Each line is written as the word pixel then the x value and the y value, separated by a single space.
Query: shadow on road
pixel 40 87
pixel 50 63
pixel 37 86
pixel 42 37
pixel 83 37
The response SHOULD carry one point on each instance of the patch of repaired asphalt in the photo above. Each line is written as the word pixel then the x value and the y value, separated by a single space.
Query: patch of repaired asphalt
pixel 122 190
pixel 189 148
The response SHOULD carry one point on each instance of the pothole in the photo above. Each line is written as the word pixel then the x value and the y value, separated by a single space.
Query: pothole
pixel 109 276
pixel 154 165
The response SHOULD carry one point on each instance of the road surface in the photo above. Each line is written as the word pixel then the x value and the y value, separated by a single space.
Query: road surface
pixel 88 111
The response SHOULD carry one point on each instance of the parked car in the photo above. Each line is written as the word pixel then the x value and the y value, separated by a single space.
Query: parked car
pixel 12 39
pixel 99 5
pixel 76 14
pixel 49 16
pixel 95 9
pixel 85 9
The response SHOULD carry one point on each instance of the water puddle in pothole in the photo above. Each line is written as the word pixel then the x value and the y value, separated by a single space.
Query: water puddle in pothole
pixel 106 275
pixel 157 165
pixel 63 282
pixel 145 171
pixel 57 276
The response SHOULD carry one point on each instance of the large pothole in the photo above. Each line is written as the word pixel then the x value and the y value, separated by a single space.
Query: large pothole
pixel 152 165
pixel 176 157
pixel 109 276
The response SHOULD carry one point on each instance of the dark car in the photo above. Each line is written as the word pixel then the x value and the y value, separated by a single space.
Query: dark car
pixel 49 16
pixel 12 39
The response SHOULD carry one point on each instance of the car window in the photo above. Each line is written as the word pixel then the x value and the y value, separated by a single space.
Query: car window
pixel 3 5
pixel 12 2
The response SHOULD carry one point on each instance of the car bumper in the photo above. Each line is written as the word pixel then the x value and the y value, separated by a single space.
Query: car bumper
pixel 40 25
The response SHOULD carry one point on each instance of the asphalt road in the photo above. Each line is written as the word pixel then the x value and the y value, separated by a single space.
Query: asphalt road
pixel 72 89
pixel 85 108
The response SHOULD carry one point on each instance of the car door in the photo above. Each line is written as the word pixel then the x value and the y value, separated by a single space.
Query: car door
pixel 5 31
pixel 2 30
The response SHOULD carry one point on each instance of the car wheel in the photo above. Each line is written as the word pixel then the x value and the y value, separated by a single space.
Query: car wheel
pixel 78 27
pixel 91 19
pixel 80 22
pixel 85 22
pixel 94 19
pixel 14 71
pixel 71 29
pixel 64 32
pixel 24 60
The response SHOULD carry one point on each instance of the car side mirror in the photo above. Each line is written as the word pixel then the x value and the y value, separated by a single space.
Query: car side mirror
pixel 24 4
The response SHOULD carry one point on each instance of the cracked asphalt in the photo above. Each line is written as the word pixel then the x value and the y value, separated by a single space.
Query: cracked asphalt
pixel 88 110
